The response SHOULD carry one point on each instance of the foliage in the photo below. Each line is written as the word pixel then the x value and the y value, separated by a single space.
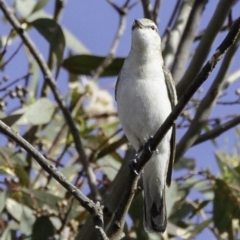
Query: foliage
pixel 33 205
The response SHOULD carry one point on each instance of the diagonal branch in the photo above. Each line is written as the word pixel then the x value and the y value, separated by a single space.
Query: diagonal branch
pixel 118 221
pixel 59 99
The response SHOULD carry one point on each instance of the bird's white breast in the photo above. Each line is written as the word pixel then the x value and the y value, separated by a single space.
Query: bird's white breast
pixel 142 99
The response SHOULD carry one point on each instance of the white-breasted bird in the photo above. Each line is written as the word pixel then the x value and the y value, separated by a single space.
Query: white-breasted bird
pixel 145 95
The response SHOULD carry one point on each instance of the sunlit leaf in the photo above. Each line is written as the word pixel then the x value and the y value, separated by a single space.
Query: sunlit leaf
pixel 87 64
pixel 39 5
pixel 171 196
pixel 37 113
pixel 109 166
pixel 188 163
pixel 3 198
pixel 74 44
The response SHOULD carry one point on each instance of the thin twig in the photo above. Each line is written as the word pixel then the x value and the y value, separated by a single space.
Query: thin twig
pixel 15 81
pixel 12 56
pixel 59 99
pixel 212 134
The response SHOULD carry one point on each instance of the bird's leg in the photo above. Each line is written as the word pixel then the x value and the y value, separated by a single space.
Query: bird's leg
pixel 133 162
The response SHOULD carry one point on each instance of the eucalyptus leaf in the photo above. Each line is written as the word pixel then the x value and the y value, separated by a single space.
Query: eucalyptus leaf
pixel 43 229
pixel 188 163
pixel 3 198
pixel 87 64
pixel 37 113
pixel 225 208
pixel 39 5
pixel 53 33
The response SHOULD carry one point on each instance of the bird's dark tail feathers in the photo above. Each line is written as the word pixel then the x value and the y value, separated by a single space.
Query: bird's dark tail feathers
pixel 155 214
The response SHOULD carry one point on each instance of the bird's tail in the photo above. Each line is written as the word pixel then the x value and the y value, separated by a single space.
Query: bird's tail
pixel 155 215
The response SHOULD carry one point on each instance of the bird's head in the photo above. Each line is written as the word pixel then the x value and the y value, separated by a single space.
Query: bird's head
pixel 145 35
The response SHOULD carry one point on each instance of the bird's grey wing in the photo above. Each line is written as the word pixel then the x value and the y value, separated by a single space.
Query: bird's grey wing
pixel 173 99
pixel 116 86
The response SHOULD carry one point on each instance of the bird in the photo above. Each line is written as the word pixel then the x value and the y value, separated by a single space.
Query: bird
pixel 145 94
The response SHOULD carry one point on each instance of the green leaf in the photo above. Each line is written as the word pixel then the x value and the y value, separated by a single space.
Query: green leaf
pixel 16 158
pixel 10 120
pixel 53 33
pixel 87 64
pixel 171 196
pixel 42 198
pixel 18 209
pixel 39 5
pixel 112 147
pixel 200 227
pixel 27 221
pixel 43 229
pixel 22 175
pixel 38 113
pixel 226 207
pixel 3 198
pixel 109 166
pixel 188 163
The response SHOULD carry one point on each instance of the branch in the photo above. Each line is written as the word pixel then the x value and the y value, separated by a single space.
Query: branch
pixel 206 105
pixel 217 131
pixel 117 224
pixel 147 9
pixel 174 36
pixel 59 99
pixel 204 46
pixel 155 10
pixel 122 23
pixel 184 47
pixel 94 209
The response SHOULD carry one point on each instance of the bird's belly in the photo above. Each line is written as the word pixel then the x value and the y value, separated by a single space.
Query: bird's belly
pixel 142 109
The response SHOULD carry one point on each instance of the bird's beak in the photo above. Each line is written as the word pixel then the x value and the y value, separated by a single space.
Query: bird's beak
pixel 138 24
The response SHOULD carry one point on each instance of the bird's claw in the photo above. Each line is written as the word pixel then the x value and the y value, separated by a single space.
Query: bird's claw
pixel 148 145
pixel 133 164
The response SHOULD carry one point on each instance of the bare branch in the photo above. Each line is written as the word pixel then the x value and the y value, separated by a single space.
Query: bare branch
pixel 156 10
pixel 183 51
pixel 147 9
pixel 109 58
pixel 217 131
pixel 12 56
pixel 204 46
pixel 59 99
pixel 117 224
pixel 174 36
pixel 206 105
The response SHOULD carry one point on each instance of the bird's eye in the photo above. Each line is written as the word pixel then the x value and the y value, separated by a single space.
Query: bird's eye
pixel 152 27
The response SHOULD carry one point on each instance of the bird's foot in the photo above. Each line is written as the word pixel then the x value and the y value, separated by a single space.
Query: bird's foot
pixel 148 146
pixel 133 164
